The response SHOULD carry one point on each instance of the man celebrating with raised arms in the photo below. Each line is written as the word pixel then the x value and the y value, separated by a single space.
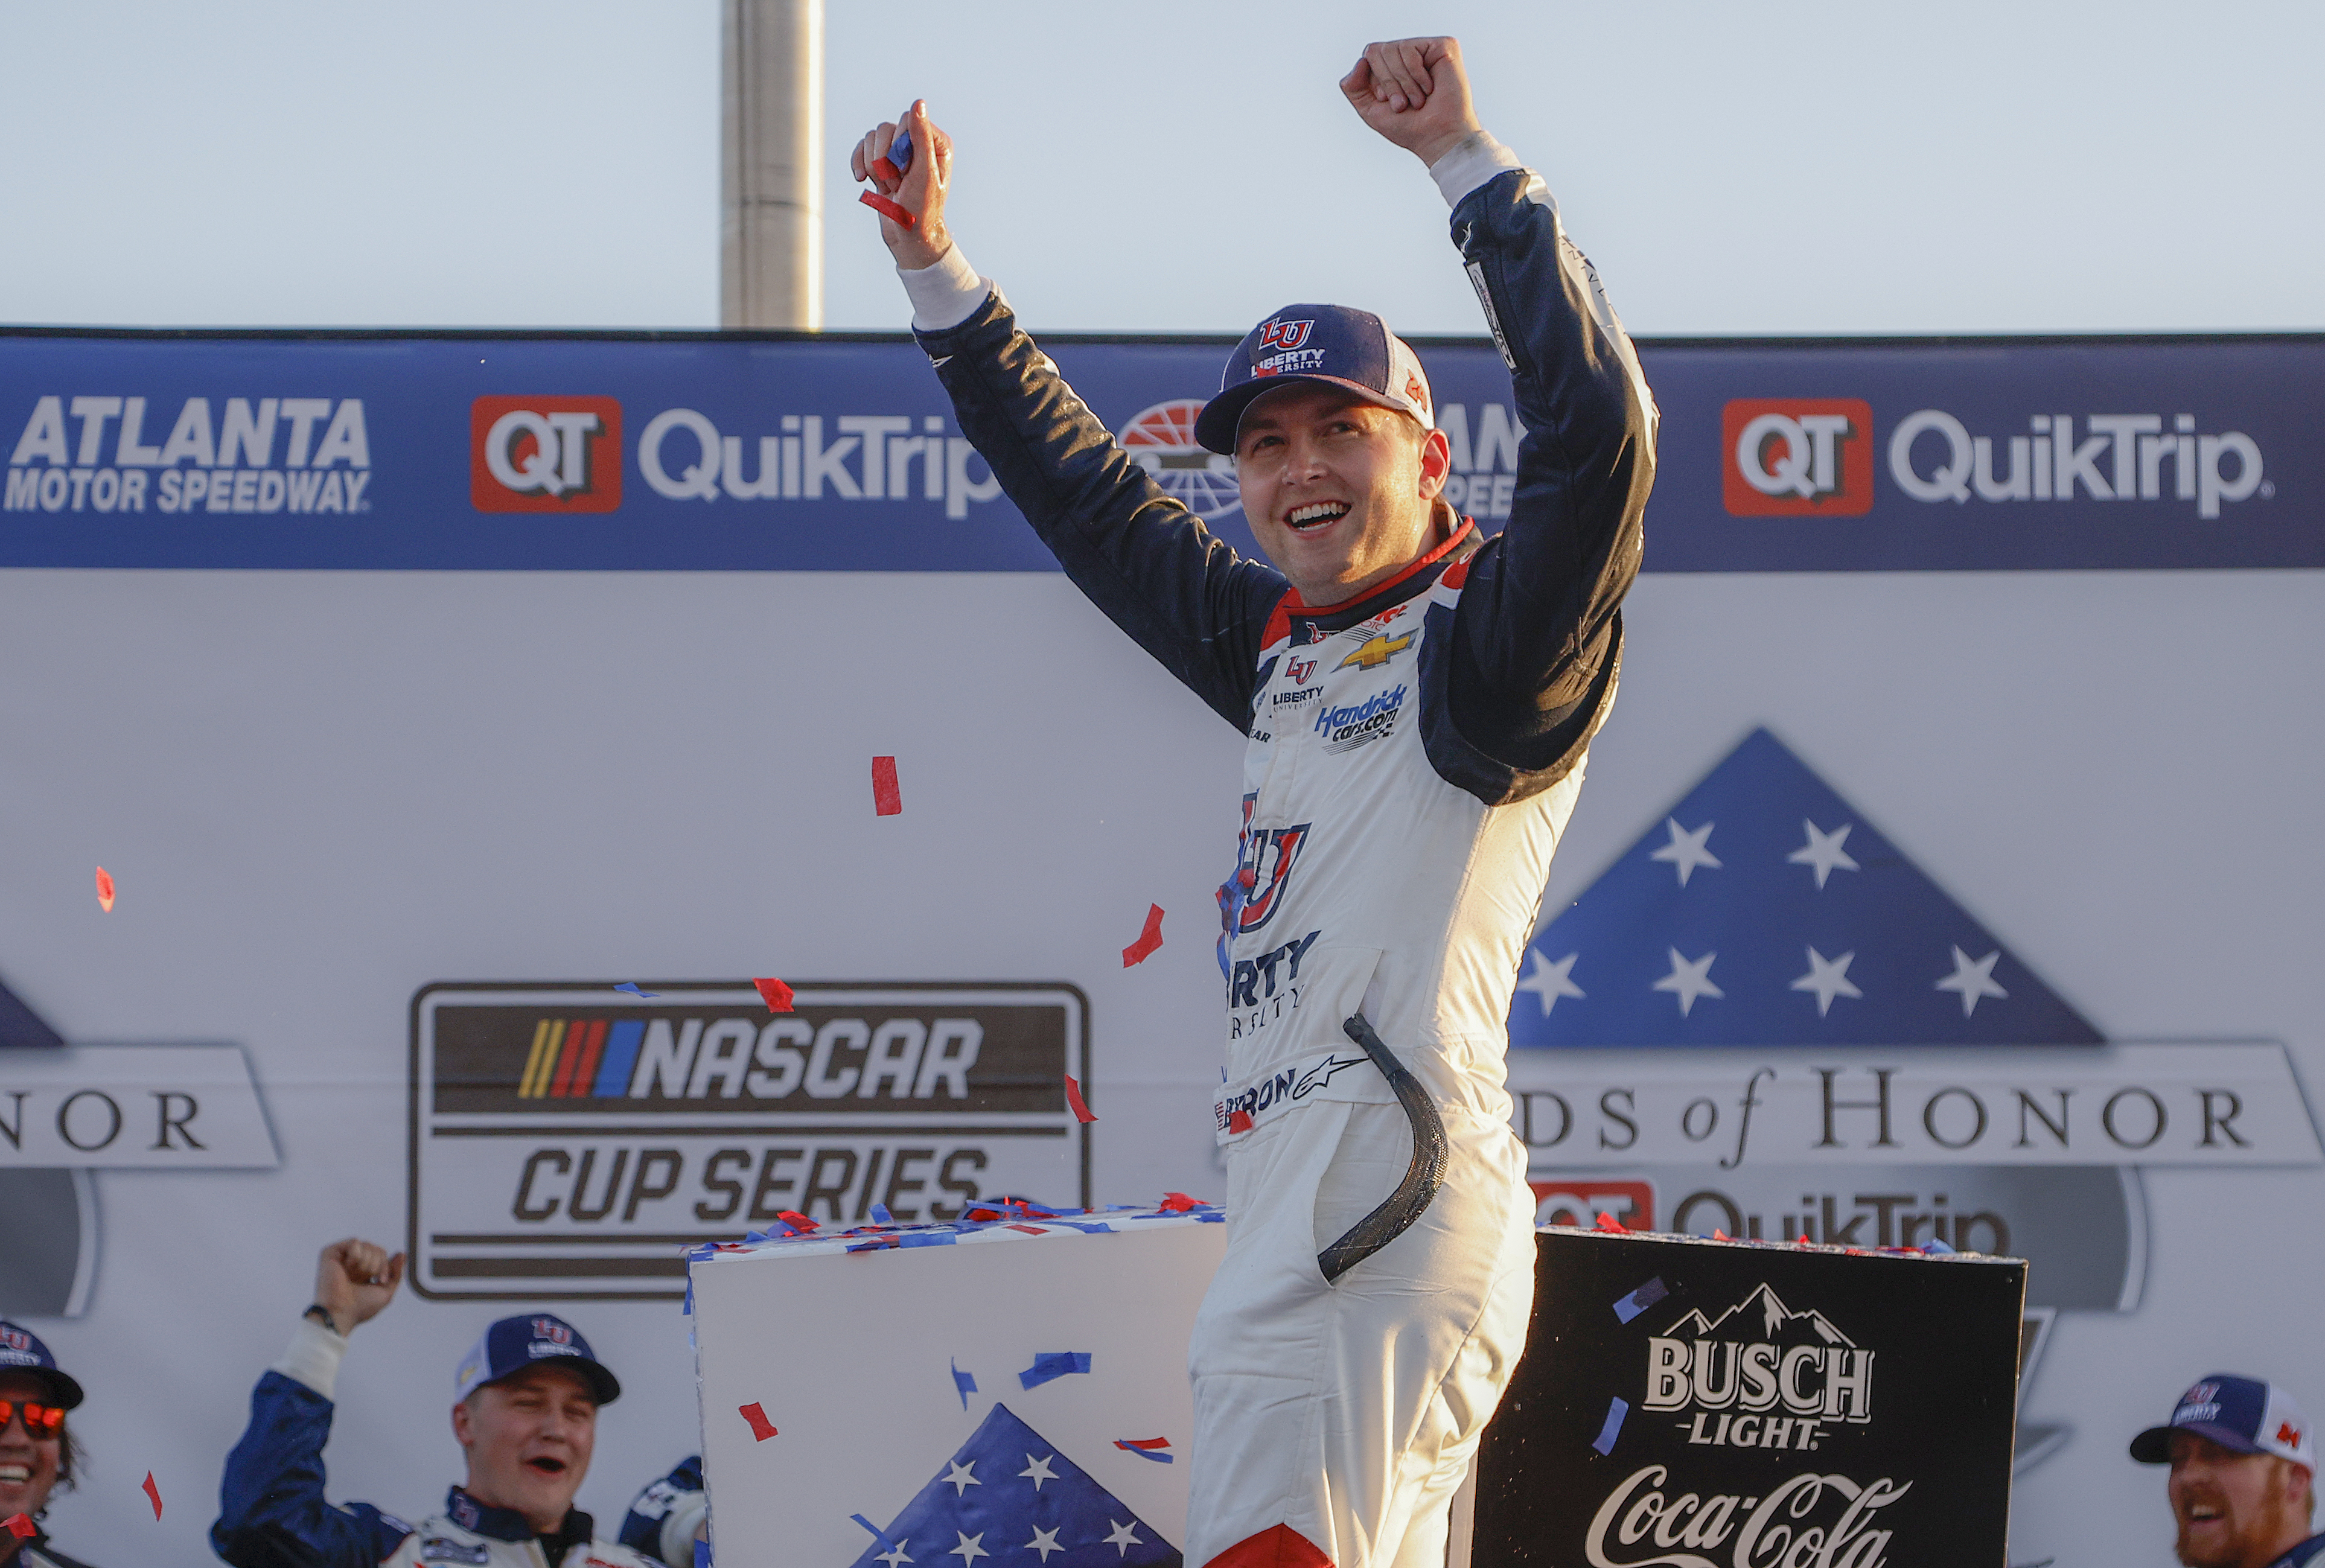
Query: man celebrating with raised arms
pixel 1418 701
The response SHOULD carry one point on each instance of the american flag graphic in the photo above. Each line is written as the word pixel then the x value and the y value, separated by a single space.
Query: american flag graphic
pixel 1009 1495
pixel 1762 909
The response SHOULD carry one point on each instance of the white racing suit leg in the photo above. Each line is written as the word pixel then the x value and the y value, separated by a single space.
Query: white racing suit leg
pixel 1334 1423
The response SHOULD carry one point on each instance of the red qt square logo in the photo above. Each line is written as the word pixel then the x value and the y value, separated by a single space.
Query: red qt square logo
pixel 1796 457
pixel 545 454
pixel 1581 1200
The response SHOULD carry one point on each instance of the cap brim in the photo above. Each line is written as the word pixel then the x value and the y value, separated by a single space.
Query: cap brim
pixel 1216 425
pixel 62 1389
pixel 2153 1446
pixel 604 1387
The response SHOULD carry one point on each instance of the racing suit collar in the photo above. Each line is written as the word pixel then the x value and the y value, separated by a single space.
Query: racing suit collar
pixel 508 1525
pixel 2312 1550
pixel 1460 539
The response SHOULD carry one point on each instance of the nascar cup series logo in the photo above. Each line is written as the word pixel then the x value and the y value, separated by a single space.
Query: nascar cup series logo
pixel 545 454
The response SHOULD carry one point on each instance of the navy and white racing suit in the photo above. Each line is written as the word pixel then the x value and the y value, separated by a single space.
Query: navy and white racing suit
pixel 664 1516
pixel 272 1514
pixel 1413 758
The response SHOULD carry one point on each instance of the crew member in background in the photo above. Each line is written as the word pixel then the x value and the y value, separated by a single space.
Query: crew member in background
pixel 37 1454
pixel 1417 701
pixel 525 1412
pixel 668 1517
pixel 2244 1475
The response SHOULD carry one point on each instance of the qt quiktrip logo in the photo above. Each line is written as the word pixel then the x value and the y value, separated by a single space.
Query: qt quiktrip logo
pixel 545 454
pixel 1796 457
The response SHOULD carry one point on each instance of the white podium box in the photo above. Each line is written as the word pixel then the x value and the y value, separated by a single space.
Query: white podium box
pixel 1073 1331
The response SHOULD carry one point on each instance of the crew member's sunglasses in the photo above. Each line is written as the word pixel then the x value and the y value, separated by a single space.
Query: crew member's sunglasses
pixel 39 1420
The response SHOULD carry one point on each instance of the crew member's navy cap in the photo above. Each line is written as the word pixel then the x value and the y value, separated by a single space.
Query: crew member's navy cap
pixel 1330 345
pixel 23 1355
pixel 513 1344
pixel 2242 1415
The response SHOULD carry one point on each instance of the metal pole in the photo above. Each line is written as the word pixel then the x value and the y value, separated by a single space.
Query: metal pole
pixel 770 165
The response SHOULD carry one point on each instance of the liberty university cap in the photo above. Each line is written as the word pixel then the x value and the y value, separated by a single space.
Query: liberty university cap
pixel 2242 1415
pixel 1330 345
pixel 23 1354
pixel 513 1344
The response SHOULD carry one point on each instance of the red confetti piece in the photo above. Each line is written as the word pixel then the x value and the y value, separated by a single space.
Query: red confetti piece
pixel 886 800
pixel 154 1494
pixel 1149 939
pixel 1719 1235
pixel 889 173
pixel 1239 1121
pixel 1804 1241
pixel 1609 1224
pixel 105 890
pixel 761 1428
pixel 778 995
pixel 1142 1443
pixel 899 215
pixel 795 1220
pixel 1074 1097
pixel 1028 1229
pixel 22 1527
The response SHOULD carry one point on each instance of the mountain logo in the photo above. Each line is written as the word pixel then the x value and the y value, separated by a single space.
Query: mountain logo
pixel 1760 1375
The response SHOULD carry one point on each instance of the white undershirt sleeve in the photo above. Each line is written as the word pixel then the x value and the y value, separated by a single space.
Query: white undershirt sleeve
pixel 945 294
pixel 1473 160
pixel 312 1357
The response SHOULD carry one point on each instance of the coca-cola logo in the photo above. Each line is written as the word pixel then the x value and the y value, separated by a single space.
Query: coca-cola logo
pixel 1810 1521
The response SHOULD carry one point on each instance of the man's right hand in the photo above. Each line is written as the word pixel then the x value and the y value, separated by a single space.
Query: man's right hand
pixel 923 193
pixel 355 1279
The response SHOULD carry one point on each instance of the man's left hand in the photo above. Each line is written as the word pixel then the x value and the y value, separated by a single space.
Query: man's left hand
pixel 1414 92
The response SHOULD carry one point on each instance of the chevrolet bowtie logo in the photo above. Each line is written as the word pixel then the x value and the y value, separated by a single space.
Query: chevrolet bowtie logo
pixel 1376 651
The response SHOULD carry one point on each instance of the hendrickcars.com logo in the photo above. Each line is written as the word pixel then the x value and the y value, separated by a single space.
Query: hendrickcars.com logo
pixel 1797 457
pixel 545 454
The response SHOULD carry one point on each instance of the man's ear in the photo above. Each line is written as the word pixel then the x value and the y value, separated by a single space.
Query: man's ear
pixel 1436 462
pixel 460 1430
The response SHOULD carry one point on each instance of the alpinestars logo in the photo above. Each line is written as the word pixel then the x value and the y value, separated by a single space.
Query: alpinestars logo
pixel 1759 1376
pixel 1797 457
pixel 545 454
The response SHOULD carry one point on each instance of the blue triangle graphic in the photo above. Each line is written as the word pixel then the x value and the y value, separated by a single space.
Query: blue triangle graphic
pixel 1732 872
pixel 995 1510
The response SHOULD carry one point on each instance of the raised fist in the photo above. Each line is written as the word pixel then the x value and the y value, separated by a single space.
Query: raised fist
pixel 1415 93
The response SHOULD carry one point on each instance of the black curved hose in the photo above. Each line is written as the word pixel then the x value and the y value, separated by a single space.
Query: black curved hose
pixel 1422 1178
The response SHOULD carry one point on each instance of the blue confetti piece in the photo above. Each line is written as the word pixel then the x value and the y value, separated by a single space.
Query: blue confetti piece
pixel 877 1534
pixel 1087 1226
pixel 1934 1249
pixel 1616 1410
pixel 1051 1364
pixel 1212 1218
pixel 1641 1299
pixel 702 1555
pixel 631 986
pixel 930 1239
pixel 880 1215
pixel 964 1381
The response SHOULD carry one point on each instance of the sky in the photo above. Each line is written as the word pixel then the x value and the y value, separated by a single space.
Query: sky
pixel 1789 168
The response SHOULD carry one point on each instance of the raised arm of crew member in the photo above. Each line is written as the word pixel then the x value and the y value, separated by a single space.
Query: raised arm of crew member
pixel 1142 557
pixel 1540 632
pixel 272 1511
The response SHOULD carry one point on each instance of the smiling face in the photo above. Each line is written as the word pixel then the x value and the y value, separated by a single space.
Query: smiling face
pixel 2235 1510
pixel 529 1438
pixel 28 1459
pixel 1340 492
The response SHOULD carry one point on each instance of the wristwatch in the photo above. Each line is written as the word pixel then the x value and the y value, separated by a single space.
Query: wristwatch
pixel 321 1314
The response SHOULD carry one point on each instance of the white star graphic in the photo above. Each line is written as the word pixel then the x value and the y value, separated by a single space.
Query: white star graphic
pixel 1549 981
pixel 1973 979
pixel 895 1556
pixel 1039 1470
pixel 1686 849
pixel 1689 978
pixel 1828 978
pixel 1824 851
pixel 969 1551
pixel 1123 1539
pixel 1045 1541
pixel 963 1477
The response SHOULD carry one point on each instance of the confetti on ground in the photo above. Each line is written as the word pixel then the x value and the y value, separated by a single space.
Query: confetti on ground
pixel 777 994
pixel 964 1382
pixel 1145 1447
pixel 105 890
pixel 153 1494
pixel 632 987
pixel 1148 940
pixel 1616 1410
pixel 761 1428
pixel 1082 1111
pixel 1641 1299
pixel 22 1527
pixel 1050 1364
pixel 886 800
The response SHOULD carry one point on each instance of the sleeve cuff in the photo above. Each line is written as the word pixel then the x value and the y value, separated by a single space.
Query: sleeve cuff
pixel 312 1357
pixel 945 294
pixel 1473 160
pixel 686 1516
